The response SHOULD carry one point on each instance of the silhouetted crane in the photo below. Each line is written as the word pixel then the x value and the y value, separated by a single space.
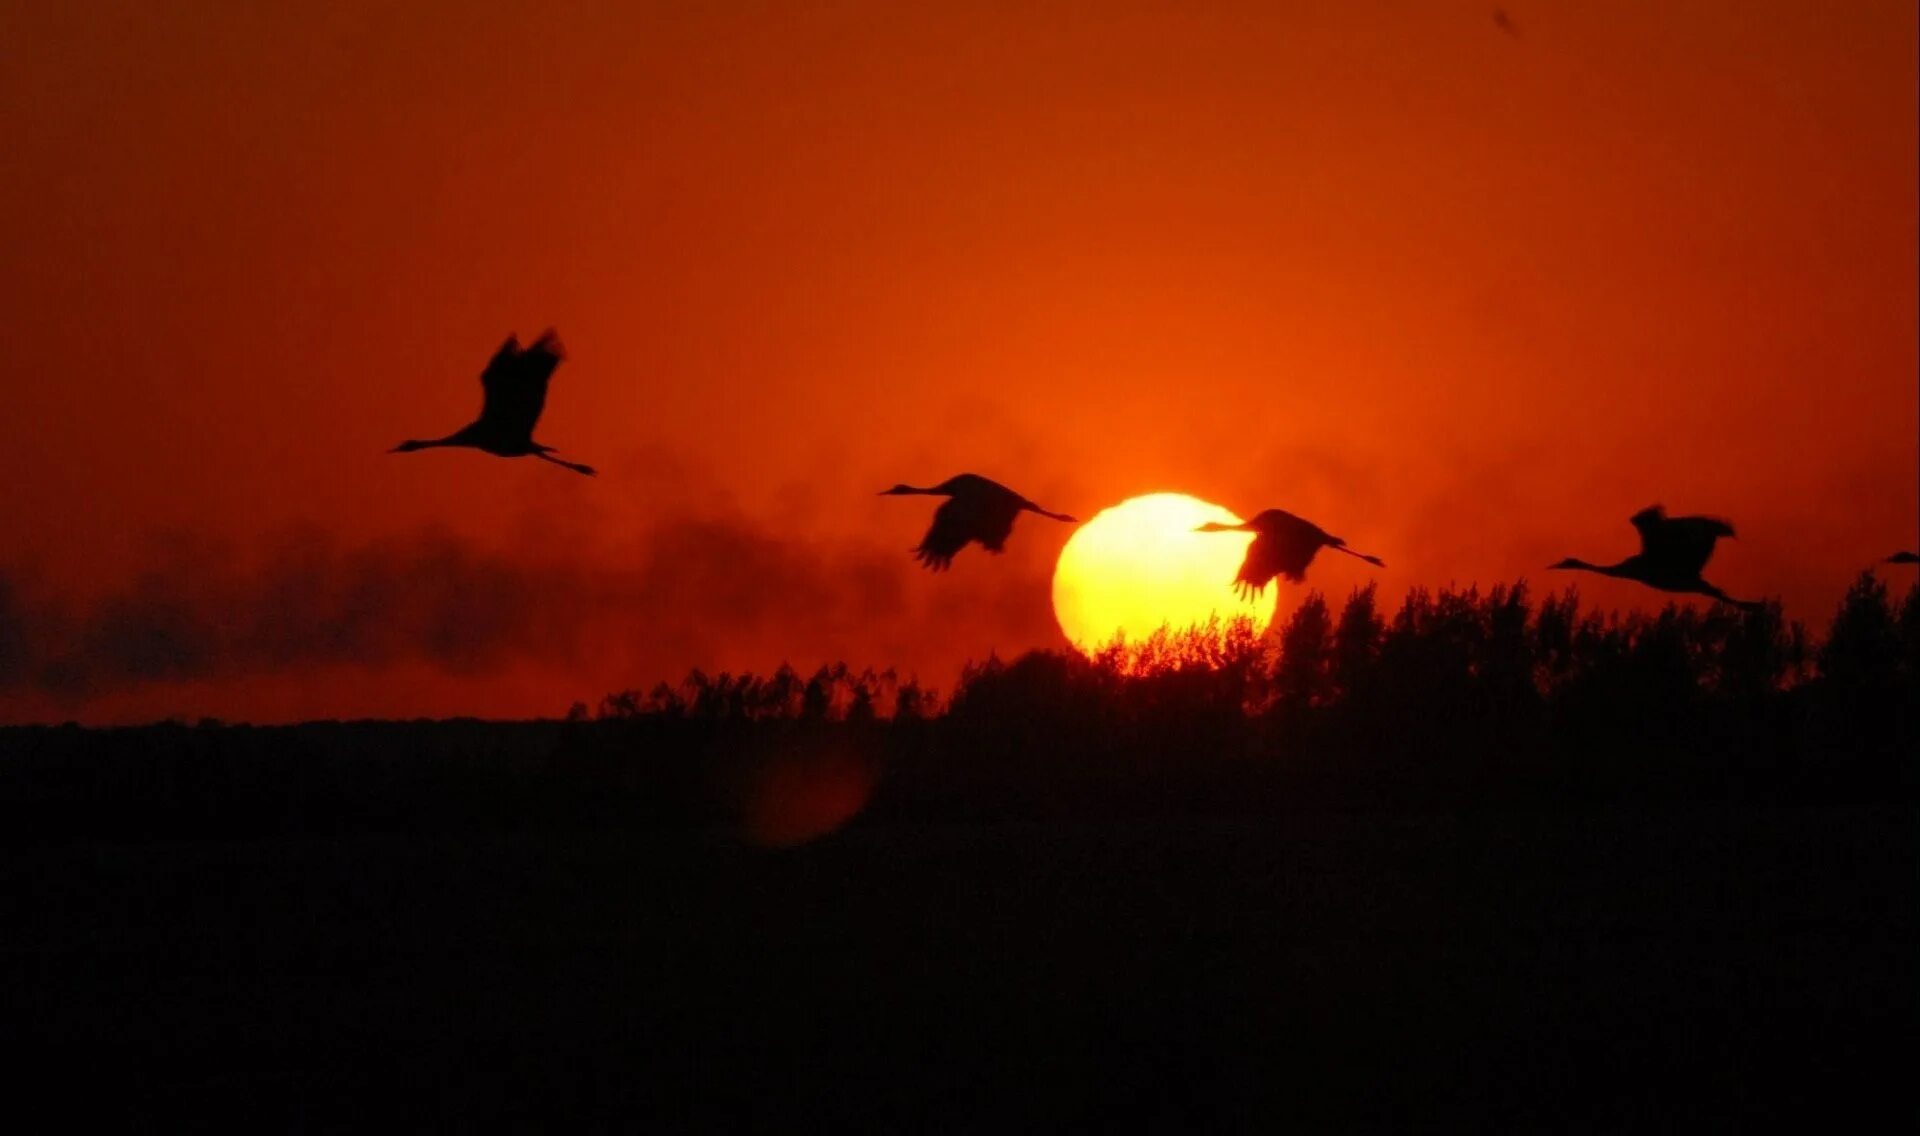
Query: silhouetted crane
pixel 515 386
pixel 1673 550
pixel 1904 558
pixel 976 509
pixel 1285 546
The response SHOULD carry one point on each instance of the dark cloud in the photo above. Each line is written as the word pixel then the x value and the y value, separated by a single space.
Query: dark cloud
pixel 201 610
pixel 695 590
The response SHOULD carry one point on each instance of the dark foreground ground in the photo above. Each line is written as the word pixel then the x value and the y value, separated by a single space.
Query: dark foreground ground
pixel 1651 969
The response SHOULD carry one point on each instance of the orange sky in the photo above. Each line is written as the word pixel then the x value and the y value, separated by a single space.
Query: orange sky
pixel 1468 299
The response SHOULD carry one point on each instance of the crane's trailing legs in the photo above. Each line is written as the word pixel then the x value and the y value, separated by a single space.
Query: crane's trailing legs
pixel 577 467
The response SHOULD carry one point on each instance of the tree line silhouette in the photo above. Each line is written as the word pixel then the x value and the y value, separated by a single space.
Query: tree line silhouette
pixel 1456 697
pixel 1456 651
pixel 832 693
pixel 1453 699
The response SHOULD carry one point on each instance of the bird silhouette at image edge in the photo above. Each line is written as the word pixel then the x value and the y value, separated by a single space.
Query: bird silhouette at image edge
pixel 976 509
pixel 1673 550
pixel 1286 544
pixel 514 387
pixel 1904 558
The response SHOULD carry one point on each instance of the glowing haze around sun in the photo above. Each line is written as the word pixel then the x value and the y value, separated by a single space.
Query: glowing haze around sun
pixel 1139 565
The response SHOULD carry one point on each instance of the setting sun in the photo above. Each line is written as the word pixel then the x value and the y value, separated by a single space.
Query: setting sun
pixel 1140 565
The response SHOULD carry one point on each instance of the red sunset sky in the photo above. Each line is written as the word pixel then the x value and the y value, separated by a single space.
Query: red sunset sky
pixel 1467 298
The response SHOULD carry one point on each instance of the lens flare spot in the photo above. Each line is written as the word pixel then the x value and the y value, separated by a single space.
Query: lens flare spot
pixel 792 798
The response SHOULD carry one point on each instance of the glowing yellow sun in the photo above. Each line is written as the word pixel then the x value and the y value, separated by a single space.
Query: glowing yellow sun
pixel 1139 565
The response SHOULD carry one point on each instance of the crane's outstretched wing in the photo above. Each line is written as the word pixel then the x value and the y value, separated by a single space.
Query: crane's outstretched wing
pixel 979 510
pixel 993 523
pixel 515 383
pixel 1290 543
pixel 953 526
pixel 1257 569
pixel 498 375
pixel 1680 544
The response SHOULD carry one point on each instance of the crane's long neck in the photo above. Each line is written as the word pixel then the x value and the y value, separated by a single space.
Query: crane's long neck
pixel 412 444
pixel 1618 570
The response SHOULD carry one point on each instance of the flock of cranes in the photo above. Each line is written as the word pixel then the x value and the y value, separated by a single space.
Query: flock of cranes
pixel 977 510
